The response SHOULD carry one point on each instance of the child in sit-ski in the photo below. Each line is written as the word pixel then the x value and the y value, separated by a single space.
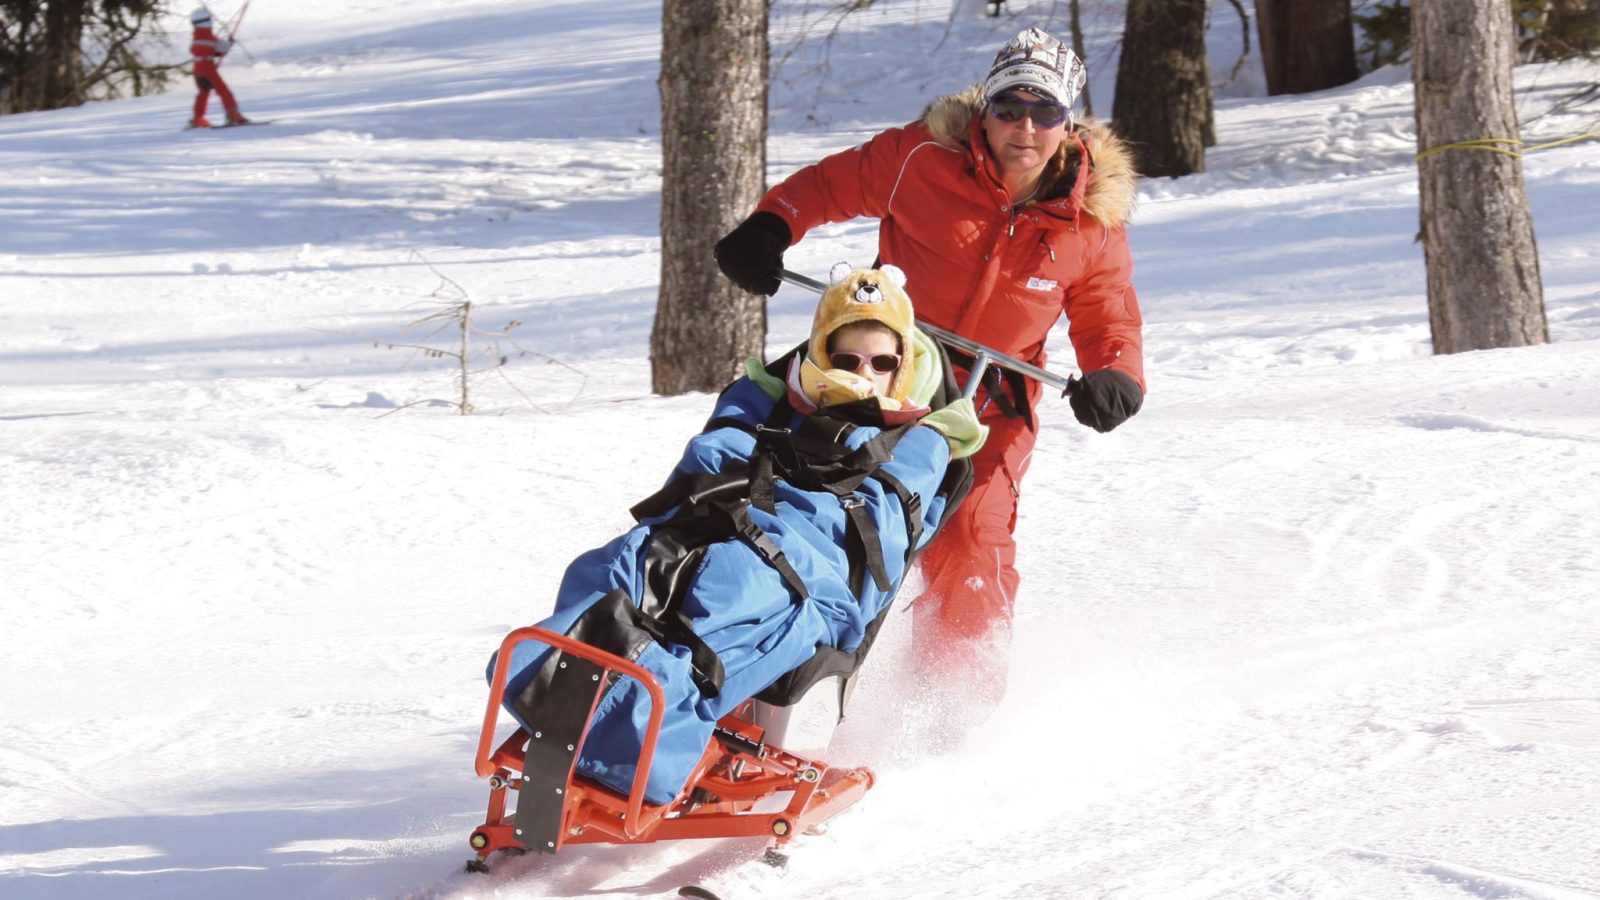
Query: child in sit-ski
pixel 865 356
pixel 784 532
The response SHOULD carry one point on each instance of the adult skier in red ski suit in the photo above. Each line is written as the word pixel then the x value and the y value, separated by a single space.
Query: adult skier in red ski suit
pixel 1004 214
pixel 208 50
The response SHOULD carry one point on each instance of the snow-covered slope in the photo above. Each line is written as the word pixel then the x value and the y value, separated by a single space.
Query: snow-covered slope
pixel 1319 622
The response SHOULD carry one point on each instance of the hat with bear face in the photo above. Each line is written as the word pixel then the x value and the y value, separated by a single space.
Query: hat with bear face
pixel 859 295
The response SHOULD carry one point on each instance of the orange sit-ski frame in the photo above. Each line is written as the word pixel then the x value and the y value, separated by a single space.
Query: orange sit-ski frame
pixel 736 771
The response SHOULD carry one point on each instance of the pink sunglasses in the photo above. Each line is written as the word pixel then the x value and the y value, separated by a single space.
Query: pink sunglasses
pixel 882 363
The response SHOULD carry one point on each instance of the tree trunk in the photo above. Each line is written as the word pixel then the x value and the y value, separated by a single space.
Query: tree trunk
pixel 1164 86
pixel 61 62
pixel 1077 47
pixel 1306 45
pixel 18 21
pixel 1477 232
pixel 42 59
pixel 714 147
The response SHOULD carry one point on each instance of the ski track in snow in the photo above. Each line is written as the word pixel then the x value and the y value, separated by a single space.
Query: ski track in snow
pixel 1318 623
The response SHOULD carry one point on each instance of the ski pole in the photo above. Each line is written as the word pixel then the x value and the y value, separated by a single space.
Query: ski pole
pixel 238 19
pixel 982 356
pixel 233 30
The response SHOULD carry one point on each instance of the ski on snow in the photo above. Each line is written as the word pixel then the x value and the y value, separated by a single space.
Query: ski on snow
pixel 227 126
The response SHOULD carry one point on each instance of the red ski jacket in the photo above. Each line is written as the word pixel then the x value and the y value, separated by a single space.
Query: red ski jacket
pixel 208 49
pixel 976 264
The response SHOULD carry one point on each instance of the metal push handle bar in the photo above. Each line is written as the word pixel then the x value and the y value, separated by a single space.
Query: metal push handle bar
pixel 982 356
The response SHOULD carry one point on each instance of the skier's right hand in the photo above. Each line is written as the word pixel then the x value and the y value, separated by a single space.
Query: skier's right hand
pixel 752 254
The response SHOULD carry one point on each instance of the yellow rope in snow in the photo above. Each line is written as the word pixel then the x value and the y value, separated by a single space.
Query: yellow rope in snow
pixel 1493 145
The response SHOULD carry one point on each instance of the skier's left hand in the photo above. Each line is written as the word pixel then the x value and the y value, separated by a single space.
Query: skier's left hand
pixel 1105 398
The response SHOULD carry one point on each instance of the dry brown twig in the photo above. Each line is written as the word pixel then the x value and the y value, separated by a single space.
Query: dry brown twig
pixel 473 351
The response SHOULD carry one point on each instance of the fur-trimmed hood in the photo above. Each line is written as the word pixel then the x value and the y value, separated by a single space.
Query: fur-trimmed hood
pixel 1113 182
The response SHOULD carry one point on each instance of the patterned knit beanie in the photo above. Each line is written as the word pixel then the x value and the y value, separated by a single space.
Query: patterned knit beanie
pixel 1039 64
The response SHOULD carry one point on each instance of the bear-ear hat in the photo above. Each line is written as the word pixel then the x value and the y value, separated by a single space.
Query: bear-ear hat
pixel 858 295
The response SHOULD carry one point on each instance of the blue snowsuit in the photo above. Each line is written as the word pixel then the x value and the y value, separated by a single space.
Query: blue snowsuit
pixel 738 603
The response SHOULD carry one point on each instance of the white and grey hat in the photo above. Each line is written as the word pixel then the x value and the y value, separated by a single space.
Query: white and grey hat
pixel 1035 62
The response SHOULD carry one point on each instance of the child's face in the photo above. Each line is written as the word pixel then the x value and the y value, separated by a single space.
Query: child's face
pixel 865 344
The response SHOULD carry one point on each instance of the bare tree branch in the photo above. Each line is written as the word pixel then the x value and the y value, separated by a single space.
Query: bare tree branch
pixel 1244 55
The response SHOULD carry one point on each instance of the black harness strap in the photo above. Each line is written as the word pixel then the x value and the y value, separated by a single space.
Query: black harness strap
pixel 1012 401
pixel 763 485
pixel 705 666
pixel 862 546
pixel 768 549
pixel 670 563
pixel 842 477
pixel 775 452
pixel 715 505
pixel 911 503
pixel 729 422
pixel 698 490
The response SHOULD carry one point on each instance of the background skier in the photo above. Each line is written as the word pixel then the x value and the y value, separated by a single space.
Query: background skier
pixel 208 51
pixel 1003 213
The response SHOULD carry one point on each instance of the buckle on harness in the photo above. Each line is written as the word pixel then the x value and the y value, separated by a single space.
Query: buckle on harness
pixel 854 501
pixel 781 442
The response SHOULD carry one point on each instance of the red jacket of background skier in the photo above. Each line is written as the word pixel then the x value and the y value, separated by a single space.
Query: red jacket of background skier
pixel 207 50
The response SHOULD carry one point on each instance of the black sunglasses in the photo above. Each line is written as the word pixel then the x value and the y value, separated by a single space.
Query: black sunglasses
pixel 882 363
pixel 1008 107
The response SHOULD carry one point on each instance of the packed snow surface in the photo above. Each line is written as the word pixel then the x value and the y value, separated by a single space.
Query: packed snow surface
pixel 1321 622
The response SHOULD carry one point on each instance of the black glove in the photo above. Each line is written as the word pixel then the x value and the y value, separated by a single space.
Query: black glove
pixel 1105 398
pixel 752 254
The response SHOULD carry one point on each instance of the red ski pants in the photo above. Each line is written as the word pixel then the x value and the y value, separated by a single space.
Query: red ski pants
pixel 962 630
pixel 207 79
